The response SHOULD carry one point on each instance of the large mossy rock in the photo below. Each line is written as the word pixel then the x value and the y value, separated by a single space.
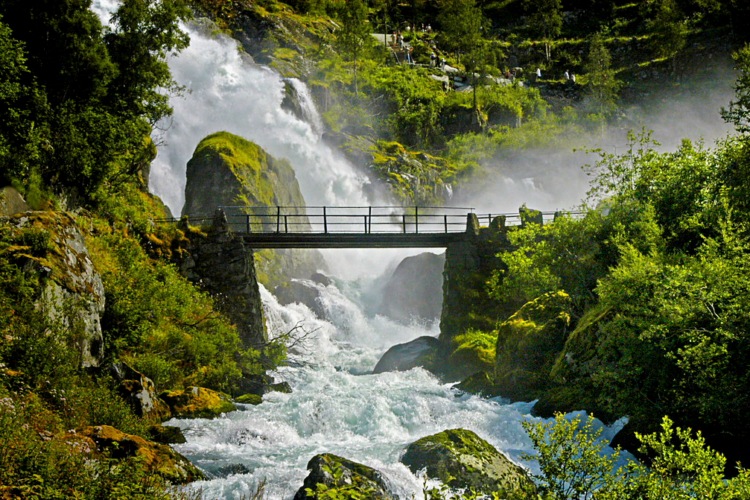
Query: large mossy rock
pixel 415 289
pixel 227 170
pixel 197 402
pixel 461 459
pixel 51 249
pixel 528 344
pixel 345 478
pixel 581 361
pixel 158 458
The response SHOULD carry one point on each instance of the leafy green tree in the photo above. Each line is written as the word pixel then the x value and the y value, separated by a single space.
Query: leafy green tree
pixel 354 35
pixel 545 21
pixel 571 458
pixel 602 82
pixel 461 24
pixel 681 465
pixel 101 94
pixel 668 28
pixel 20 105
pixel 738 113
pixel 463 28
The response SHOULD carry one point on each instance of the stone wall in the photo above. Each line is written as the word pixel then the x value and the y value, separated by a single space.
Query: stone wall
pixel 468 265
pixel 223 265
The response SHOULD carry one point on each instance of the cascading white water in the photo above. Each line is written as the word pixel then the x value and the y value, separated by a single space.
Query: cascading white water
pixel 227 92
pixel 338 407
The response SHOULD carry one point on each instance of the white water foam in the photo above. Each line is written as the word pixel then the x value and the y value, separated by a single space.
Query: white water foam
pixel 338 406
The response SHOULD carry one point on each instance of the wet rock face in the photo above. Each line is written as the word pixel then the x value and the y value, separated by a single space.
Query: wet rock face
pixel 346 478
pixel 72 293
pixel 415 289
pixel 401 357
pixel 461 459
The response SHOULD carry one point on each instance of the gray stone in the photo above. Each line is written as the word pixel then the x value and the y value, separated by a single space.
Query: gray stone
pixel 72 294
pixel 11 202
pixel 461 459
pixel 409 355
pixel 415 289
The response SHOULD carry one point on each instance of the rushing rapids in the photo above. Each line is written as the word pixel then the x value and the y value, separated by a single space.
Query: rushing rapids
pixel 337 406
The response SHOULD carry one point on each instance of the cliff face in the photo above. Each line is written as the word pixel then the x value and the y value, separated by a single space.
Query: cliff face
pixel 51 249
pixel 227 170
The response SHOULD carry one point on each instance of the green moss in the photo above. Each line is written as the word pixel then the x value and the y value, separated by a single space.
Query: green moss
pixel 475 350
pixel 249 399
pixel 461 459
pixel 529 343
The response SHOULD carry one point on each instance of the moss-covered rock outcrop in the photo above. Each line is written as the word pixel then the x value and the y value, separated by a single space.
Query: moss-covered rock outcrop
pixel 528 344
pixel 157 458
pixel 69 291
pixel 461 459
pixel 339 477
pixel 227 170
pixel 197 402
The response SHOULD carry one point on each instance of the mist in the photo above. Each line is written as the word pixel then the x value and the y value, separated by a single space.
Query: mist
pixel 552 179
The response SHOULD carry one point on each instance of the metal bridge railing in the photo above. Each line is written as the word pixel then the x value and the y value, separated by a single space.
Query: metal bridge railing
pixel 347 220
pixel 364 220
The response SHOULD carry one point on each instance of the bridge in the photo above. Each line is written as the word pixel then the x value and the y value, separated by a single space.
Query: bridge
pixel 360 227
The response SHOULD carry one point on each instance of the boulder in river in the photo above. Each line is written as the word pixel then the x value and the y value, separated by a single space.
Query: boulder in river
pixel 461 459
pixel 402 357
pixel 348 479
pixel 415 289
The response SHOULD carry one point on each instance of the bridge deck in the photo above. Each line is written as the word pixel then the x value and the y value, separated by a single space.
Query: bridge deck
pixel 348 240
pixel 357 227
